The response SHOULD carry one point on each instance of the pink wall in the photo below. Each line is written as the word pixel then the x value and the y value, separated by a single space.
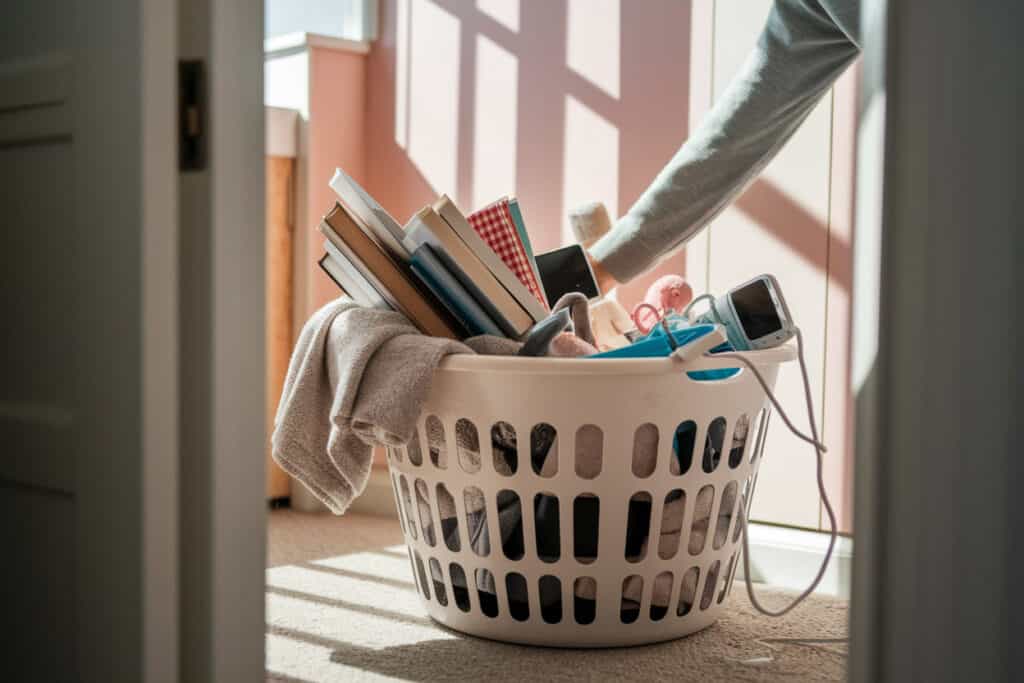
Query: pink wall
pixel 430 48
pixel 337 85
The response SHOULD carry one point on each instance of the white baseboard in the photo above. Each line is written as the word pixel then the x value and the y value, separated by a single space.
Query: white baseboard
pixel 790 558
pixel 779 556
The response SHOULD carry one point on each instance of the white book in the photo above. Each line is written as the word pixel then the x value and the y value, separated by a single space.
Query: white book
pixel 451 214
pixel 384 229
pixel 352 280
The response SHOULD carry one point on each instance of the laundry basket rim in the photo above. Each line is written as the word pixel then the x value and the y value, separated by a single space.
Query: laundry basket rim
pixel 603 366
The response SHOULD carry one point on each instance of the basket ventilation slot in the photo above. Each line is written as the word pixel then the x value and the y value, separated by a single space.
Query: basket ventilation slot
pixel 413 449
pixel 683 442
pixel 709 585
pixel 701 521
pixel 645 450
pixel 426 519
pixel 671 524
pixel 725 512
pixel 398 503
pixel 467 443
pixel 510 519
pixel 632 589
pixel 638 526
pixel 589 451
pixel 438 578
pixel 586 515
pixel 410 517
pixel 725 579
pixel 585 599
pixel 518 603
pixel 547 525
pixel 486 593
pixel 436 442
pixel 713 445
pixel 449 518
pixel 504 448
pixel 550 589
pixel 688 591
pixel 740 436
pixel 660 595
pixel 421 575
pixel 476 521
pixel 460 589
pixel 544 450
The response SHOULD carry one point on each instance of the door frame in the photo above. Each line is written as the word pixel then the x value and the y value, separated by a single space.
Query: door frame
pixel 222 339
pixel 160 360
pixel 936 595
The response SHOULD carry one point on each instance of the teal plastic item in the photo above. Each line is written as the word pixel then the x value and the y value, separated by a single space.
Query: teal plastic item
pixel 656 345
pixel 517 218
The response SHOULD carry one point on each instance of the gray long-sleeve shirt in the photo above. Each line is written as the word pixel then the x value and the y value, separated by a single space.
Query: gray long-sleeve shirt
pixel 804 47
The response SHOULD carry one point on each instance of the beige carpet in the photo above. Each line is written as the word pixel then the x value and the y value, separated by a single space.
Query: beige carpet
pixel 342 606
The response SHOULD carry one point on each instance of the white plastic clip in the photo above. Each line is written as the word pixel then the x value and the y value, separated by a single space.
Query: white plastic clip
pixel 701 345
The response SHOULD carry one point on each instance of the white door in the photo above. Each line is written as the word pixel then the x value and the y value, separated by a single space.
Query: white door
pixel 91 422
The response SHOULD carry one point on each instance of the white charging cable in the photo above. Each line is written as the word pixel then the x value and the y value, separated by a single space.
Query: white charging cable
pixel 819 449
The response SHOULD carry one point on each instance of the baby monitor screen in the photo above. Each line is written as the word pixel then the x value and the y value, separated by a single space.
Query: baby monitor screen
pixel 756 310
pixel 566 270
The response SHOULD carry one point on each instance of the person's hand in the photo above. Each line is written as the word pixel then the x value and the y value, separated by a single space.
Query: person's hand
pixel 605 281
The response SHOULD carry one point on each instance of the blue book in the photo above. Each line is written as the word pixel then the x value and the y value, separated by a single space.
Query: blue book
pixel 450 292
pixel 524 237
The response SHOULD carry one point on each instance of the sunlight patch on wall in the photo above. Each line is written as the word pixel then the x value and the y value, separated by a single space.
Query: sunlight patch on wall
pixel 402 74
pixel 592 42
pixel 505 12
pixel 434 94
pixel 495 116
pixel 591 162
pixel 285 83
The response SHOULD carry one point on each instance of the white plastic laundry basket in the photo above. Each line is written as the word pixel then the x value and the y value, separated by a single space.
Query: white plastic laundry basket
pixel 610 410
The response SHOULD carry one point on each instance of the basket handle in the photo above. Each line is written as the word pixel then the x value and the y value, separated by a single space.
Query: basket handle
pixel 765 357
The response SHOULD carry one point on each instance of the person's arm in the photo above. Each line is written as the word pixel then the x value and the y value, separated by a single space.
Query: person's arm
pixel 804 47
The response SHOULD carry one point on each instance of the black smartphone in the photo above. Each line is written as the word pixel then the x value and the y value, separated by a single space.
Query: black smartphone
pixel 566 270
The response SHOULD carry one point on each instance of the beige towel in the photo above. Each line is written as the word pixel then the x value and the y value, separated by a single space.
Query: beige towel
pixel 358 378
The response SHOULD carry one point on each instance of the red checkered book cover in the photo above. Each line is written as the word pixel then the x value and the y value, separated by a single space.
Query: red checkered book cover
pixel 495 226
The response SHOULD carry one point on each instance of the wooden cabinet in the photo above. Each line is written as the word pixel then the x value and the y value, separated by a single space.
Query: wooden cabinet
pixel 280 230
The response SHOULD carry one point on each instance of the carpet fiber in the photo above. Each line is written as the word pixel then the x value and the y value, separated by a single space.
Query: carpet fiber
pixel 342 606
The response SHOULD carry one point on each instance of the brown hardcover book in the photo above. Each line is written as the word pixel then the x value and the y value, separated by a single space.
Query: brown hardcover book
pixel 338 224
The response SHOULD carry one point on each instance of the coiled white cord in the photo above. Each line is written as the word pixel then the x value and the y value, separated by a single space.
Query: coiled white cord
pixel 819 449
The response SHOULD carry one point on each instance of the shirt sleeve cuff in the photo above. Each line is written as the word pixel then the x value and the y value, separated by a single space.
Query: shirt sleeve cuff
pixel 622 253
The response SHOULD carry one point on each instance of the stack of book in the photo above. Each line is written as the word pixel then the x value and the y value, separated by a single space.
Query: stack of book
pixel 451 275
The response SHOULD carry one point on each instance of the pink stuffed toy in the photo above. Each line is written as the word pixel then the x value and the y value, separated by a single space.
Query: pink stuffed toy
pixel 668 294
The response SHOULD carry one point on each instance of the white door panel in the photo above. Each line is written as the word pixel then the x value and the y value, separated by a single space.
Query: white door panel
pixel 779 226
pixel 87 127
pixel 37 408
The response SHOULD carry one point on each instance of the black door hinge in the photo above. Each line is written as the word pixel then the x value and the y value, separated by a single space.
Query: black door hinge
pixel 192 122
